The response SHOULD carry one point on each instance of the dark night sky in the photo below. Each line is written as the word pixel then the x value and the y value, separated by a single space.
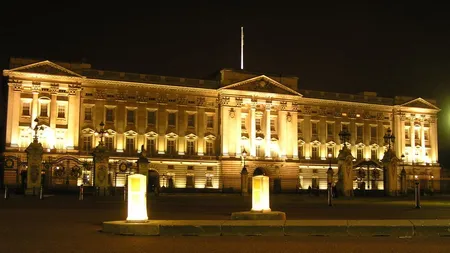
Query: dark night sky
pixel 393 49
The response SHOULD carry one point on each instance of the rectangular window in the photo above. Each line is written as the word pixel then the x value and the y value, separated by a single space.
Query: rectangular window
pixel 426 134
pixel 61 111
pixel 373 154
pixel 130 145
pixel 151 147
pixel 191 120
pixel 314 130
pixel 258 124
pixel 190 149
pixel 359 153
pixel 171 147
pixel 88 113
pixel 109 115
pixel 407 133
pixel 373 133
pixel 210 121
pixel 171 120
pixel 272 125
pixel 26 109
pixel 209 148
pixel 109 143
pixel 330 130
pixel 44 110
pixel 315 183
pixel 259 152
pixel 130 116
pixel 87 143
pixel 359 133
pixel 315 153
pixel 243 123
pixel 151 118
pixel 330 150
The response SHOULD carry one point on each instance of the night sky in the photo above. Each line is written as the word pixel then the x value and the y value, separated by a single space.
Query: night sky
pixel 392 49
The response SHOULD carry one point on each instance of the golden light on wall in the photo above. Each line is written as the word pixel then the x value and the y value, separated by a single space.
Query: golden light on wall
pixel 137 200
pixel 260 194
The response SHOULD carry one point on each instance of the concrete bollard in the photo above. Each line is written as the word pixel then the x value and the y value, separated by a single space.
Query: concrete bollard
pixel 417 195
pixel 81 195
pixel 6 196
pixel 41 193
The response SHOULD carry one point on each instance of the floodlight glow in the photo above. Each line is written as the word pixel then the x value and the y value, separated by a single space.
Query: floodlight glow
pixel 137 201
pixel 260 194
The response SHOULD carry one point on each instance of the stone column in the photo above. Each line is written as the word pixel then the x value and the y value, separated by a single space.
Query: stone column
pixel 225 135
pixel 293 139
pixel 422 142
pixel 101 168
pixel 53 112
pixel 253 130
pixel 390 162
pixel 282 118
pixel 73 119
pixel 268 132
pixel 238 133
pixel 433 140
pixel 244 181
pixel 13 112
pixel 34 157
pixel 345 172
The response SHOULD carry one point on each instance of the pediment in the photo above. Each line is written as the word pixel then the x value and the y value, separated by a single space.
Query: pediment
pixel 420 103
pixel 261 84
pixel 46 67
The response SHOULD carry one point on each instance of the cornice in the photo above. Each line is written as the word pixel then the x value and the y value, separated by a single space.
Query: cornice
pixel 34 76
pixel 123 84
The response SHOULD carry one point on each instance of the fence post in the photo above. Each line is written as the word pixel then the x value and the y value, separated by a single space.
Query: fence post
pixel 6 196
pixel 81 195
pixel 41 193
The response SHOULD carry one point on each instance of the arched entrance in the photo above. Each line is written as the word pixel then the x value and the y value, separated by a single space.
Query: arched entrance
pixel 259 171
pixel 153 181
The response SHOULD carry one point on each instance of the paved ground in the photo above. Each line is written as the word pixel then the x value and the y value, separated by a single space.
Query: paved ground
pixel 62 223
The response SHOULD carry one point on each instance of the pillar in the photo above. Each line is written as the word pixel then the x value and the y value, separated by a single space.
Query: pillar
pixel 268 132
pixel 345 172
pixel 282 118
pixel 293 140
pixel 13 115
pixel 143 164
pixel 101 168
pixel 73 120
pixel 253 130
pixel 244 181
pixel 390 162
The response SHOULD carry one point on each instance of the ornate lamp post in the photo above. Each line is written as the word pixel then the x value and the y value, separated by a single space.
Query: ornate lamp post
pixel 102 132
pixel 403 177
pixel 329 179
pixel 244 176
pixel 344 135
pixel 389 138
pixel 417 191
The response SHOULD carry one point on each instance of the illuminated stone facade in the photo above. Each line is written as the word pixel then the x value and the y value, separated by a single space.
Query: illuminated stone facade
pixel 194 131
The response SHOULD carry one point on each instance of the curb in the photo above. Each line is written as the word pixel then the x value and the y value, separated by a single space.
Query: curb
pixel 354 228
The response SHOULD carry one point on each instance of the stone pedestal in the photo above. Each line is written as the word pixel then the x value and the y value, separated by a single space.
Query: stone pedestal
pixel 390 163
pixel 34 157
pixel 345 172
pixel 101 169
pixel 244 182
pixel 253 215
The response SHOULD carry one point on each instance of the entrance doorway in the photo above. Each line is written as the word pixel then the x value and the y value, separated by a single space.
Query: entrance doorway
pixel 258 172
pixel 153 181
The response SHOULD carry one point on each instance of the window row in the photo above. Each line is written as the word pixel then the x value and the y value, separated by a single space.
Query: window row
pixel 151 117
pixel 44 108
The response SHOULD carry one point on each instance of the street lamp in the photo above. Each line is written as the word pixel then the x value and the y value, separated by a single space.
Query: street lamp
pixel 344 135
pixel 102 132
pixel 389 138
pixel 244 154
pixel 329 179
pixel 417 191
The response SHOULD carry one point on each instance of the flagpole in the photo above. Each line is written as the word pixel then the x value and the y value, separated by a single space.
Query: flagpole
pixel 242 47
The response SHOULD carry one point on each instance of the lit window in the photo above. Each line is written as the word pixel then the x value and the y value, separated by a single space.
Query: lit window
pixel 209 148
pixel 109 143
pixel 44 110
pixel 151 118
pixel 109 115
pixel 87 143
pixel 272 125
pixel 191 120
pixel 330 129
pixel 315 153
pixel 258 124
pixel 26 109
pixel 210 121
pixel 243 124
pixel 190 150
pixel 300 151
pixel 151 146
pixel 171 119
pixel 130 116
pixel 373 154
pixel 359 153
pixel 88 113
pixel 129 145
pixel 171 147
pixel 61 111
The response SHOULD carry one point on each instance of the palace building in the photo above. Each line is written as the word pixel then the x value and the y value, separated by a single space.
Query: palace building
pixel 200 134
